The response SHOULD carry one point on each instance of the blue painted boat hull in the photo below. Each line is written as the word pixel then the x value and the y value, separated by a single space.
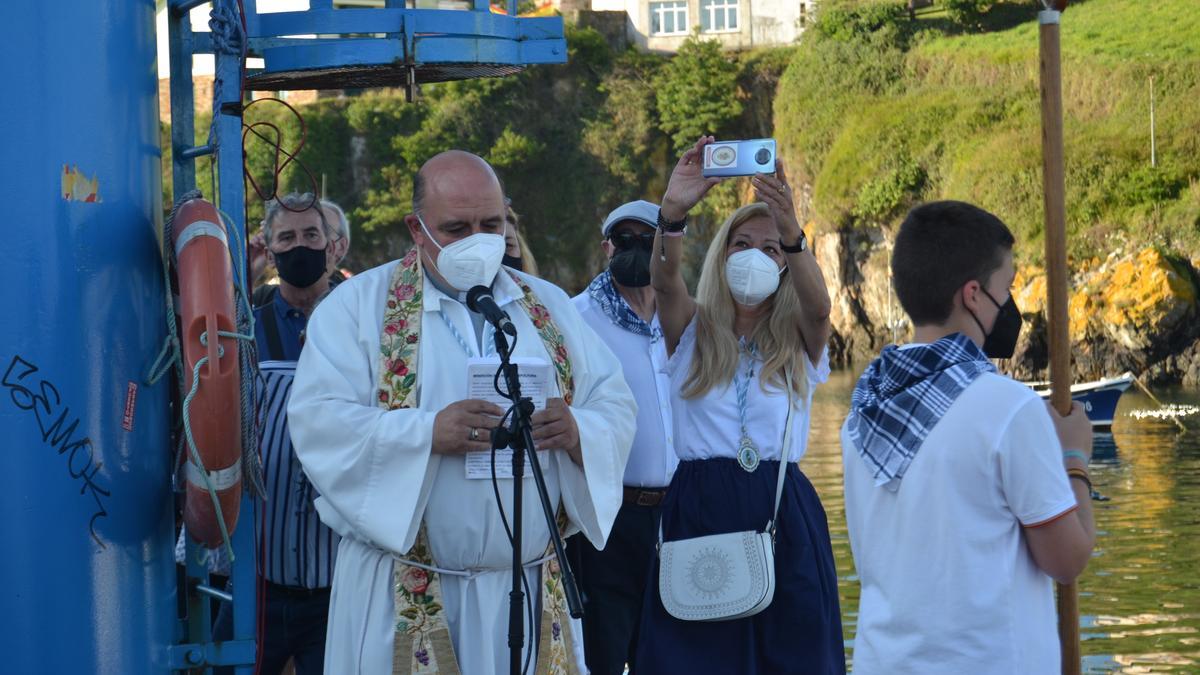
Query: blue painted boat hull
pixel 1100 405
pixel 1099 399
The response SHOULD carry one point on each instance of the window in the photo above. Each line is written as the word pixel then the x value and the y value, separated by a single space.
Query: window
pixel 717 16
pixel 668 18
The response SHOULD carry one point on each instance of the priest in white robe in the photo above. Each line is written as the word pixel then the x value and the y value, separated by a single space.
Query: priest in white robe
pixel 388 472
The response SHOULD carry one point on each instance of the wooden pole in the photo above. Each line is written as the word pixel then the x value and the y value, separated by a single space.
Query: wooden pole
pixel 1153 153
pixel 1053 186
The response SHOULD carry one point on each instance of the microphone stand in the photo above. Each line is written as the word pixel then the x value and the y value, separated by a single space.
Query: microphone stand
pixel 519 436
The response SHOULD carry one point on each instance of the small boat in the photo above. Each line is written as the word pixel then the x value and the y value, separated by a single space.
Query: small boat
pixel 1099 398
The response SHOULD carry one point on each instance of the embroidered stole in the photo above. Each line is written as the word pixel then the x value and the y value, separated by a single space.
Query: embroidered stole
pixel 422 634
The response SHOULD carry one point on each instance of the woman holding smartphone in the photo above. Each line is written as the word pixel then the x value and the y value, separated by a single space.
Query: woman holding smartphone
pixel 760 319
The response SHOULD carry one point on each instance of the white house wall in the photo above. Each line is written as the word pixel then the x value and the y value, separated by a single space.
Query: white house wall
pixel 761 23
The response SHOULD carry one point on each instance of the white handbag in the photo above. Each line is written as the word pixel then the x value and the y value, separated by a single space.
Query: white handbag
pixel 724 576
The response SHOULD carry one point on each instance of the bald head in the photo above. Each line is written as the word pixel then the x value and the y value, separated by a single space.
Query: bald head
pixel 450 171
pixel 456 194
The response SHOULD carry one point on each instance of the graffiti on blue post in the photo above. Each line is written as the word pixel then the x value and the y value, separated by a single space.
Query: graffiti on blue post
pixel 42 398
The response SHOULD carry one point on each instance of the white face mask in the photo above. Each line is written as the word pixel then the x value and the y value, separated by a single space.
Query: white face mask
pixel 752 276
pixel 473 261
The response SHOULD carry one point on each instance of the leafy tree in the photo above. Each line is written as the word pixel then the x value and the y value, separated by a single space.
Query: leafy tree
pixel 697 92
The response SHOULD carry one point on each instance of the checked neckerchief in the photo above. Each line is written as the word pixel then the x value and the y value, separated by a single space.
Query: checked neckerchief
pixel 903 394
pixel 605 295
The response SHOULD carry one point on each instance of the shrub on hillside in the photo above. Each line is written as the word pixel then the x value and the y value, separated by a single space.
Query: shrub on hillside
pixel 697 92
pixel 967 13
pixel 846 21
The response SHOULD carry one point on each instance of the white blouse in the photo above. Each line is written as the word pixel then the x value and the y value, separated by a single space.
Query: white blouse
pixel 710 426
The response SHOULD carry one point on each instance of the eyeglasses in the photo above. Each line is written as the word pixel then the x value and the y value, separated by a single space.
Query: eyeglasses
pixel 627 240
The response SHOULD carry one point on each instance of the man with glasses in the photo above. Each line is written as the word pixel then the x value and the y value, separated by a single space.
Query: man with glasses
pixel 619 306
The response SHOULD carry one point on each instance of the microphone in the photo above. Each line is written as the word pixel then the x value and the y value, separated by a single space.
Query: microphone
pixel 480 301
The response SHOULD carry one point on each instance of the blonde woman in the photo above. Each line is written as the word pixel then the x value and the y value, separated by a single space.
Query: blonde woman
pixel 761 309
pixel 517 253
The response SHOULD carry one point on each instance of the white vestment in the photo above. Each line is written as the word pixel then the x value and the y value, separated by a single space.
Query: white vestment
pixel 377 477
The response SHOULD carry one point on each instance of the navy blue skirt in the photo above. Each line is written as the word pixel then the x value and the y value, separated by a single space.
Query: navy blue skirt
pixel 801 630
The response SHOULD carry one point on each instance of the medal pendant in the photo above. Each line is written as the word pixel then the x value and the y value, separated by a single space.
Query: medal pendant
pixel 747 455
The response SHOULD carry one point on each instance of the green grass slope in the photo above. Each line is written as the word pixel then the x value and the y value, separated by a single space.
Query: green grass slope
pixel 879 111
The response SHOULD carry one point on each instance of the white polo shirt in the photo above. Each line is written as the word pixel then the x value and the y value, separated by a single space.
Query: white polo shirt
pixel 652 459
pixel 948 584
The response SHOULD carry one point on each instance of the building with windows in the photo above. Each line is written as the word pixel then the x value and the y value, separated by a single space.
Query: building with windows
pixel 663 25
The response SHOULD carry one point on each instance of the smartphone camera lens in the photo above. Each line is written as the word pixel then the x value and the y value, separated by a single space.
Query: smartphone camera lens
pixel 762 156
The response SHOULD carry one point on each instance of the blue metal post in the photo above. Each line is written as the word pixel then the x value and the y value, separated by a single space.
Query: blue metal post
pixel 227 120
pixel 199 649
pixel 88 573
pixel 183 128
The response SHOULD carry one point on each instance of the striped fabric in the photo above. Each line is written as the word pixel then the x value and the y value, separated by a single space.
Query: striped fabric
pixel 298 549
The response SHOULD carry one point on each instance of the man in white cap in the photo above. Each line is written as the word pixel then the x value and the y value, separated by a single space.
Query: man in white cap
pixel 619 306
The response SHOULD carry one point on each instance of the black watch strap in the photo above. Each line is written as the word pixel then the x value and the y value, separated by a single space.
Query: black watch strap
pixel 800 246
pixel 668 226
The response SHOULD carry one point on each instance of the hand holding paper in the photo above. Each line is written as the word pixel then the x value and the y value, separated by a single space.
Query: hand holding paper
pixel 554 429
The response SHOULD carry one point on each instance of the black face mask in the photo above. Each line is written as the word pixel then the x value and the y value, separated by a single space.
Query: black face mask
pixel 1002 341
pixel 301 266
pixel 514 263
pixel 631 267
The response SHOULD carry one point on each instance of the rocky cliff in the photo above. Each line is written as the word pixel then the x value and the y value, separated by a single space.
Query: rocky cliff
pixel 1136 310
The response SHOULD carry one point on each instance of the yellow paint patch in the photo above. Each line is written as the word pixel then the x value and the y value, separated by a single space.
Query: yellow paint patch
pixel 77 187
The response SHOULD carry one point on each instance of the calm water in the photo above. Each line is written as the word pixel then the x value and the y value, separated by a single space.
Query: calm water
pixel 1140 596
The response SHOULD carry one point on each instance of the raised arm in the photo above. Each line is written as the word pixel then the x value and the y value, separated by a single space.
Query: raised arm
pixel 686 188
pixel 802 265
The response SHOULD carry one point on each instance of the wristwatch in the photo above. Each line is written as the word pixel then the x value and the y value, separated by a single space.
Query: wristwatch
pixel 668 226
pixel 800 246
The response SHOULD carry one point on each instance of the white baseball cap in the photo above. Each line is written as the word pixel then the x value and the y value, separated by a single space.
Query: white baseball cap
pixel 641 211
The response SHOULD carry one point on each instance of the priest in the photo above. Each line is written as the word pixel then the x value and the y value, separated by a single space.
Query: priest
pixel 385 429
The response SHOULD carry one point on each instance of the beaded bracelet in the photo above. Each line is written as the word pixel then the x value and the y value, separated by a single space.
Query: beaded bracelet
pixel 668 226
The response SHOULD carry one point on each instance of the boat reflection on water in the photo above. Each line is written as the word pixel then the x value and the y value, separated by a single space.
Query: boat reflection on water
pixel 1104 447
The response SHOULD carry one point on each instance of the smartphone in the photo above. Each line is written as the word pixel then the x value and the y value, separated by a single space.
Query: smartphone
pixel 739 158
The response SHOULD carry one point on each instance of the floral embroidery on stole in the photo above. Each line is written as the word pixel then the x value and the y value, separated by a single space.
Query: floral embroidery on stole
pixel 422 635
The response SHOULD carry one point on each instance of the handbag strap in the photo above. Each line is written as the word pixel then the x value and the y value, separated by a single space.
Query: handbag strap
pixel 785 452
pixel 784 455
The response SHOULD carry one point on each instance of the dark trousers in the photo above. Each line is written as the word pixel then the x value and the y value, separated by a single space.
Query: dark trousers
pixel 293 627
pixel 613 582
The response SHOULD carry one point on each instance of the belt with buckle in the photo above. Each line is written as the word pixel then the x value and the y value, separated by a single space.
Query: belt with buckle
pixel 644 497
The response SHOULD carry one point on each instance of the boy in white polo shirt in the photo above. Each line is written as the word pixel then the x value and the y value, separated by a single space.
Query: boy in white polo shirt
pixel 966 495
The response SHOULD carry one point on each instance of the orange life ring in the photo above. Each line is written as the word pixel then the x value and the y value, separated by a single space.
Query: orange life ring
pixel 206 307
